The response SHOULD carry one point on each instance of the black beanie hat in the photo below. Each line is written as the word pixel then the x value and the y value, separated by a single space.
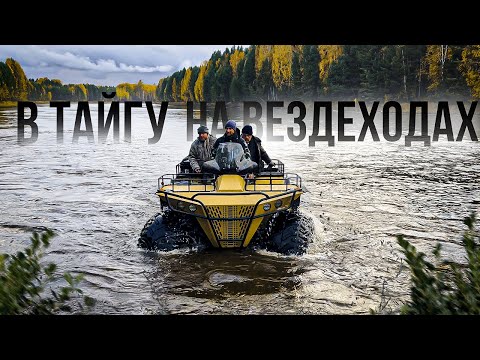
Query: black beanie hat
pixel 247 129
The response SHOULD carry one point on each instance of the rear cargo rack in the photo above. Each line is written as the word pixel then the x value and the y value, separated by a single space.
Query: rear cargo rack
pixel 273 176
pixel 273 181
pixel 202 181
pixel 278 168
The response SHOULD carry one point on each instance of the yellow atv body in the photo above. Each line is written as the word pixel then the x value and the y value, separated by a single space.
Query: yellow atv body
pixel 229 207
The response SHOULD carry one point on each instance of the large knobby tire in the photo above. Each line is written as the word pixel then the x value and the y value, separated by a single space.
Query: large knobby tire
pixel 167 231
pixel 292 235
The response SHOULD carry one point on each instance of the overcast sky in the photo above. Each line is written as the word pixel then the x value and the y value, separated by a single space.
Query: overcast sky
pixel 106 64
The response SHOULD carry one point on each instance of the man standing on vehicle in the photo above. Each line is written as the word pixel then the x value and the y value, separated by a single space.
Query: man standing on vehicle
pixel 257 152
pixel 232 134
pixel 201 149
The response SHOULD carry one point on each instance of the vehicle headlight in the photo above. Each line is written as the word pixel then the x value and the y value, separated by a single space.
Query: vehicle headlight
pixel 266 207
pixel 278 203
pixel 192 208
pixel 181 205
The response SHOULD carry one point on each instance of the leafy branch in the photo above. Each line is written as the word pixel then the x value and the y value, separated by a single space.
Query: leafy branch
pixel 24 281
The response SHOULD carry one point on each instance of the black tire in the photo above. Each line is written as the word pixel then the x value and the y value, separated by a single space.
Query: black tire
pixel 292 235
pixel 262 235
pixel 167 231
pixel 156 234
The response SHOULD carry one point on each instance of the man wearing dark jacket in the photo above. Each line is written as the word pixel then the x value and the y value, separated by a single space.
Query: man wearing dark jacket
pixel 232 134
pixel 257 152
pixel 201 149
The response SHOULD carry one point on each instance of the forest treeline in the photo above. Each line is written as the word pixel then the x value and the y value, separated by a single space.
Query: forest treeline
pixel 15 86
pixel 380 72
pixel 270 72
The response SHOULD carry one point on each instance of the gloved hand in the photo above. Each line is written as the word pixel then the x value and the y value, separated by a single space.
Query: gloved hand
pixel 197 170
pixel 271 164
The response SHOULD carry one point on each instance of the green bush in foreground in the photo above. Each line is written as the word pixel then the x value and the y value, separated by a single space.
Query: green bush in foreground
pixel 24 280
pixel 448 288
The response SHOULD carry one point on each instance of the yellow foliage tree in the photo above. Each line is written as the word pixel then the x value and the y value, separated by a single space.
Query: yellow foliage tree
pixel 4 93
pixel 198 88
pixel 149 92
pixel 328 55
pixel 282 65
pixel 20 89
pixel 262 53
pixel 174 90
pixel 470 68
pixel 122 93
pixel 125 90
pixel 184 86
pixel 82 92
pixel 235 58
pixel 435 59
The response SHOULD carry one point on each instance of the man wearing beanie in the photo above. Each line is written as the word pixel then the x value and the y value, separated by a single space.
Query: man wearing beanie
pixel 232 134
pixel 257 152
pixel 201 149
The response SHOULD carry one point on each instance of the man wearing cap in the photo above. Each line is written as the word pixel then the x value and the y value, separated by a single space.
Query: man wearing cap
pixel 254 144
pixel 232 134
pixel 201 149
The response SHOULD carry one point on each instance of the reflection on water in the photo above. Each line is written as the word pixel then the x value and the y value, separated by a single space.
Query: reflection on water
pixel 98 197
pixel 7 116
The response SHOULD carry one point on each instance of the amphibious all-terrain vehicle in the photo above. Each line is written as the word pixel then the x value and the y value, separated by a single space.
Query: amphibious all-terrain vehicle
pixel 229 206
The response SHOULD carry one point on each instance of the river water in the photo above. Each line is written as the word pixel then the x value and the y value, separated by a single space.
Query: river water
pixel 97 197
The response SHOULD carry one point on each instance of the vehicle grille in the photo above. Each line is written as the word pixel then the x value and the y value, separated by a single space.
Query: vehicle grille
pixel 230 229
pixel 230 243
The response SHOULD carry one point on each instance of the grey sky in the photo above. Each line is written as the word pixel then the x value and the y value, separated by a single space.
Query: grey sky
pixel 106 64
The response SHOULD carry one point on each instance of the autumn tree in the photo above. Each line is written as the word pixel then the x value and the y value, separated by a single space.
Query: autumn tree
pixel 174 89
pixel 262 53
pixel 122 93
pixel 470 68
pixel 6 82
pixel 328 54
pixel 193 80
pixel 443 64
pixel 235 58
pixel 20 85
pixel 209 88
pixel 185 86
pixel 198 88
pixel 282 66
pixel 436 57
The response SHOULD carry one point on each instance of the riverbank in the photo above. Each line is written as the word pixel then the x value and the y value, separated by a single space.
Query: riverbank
pixel 4 104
